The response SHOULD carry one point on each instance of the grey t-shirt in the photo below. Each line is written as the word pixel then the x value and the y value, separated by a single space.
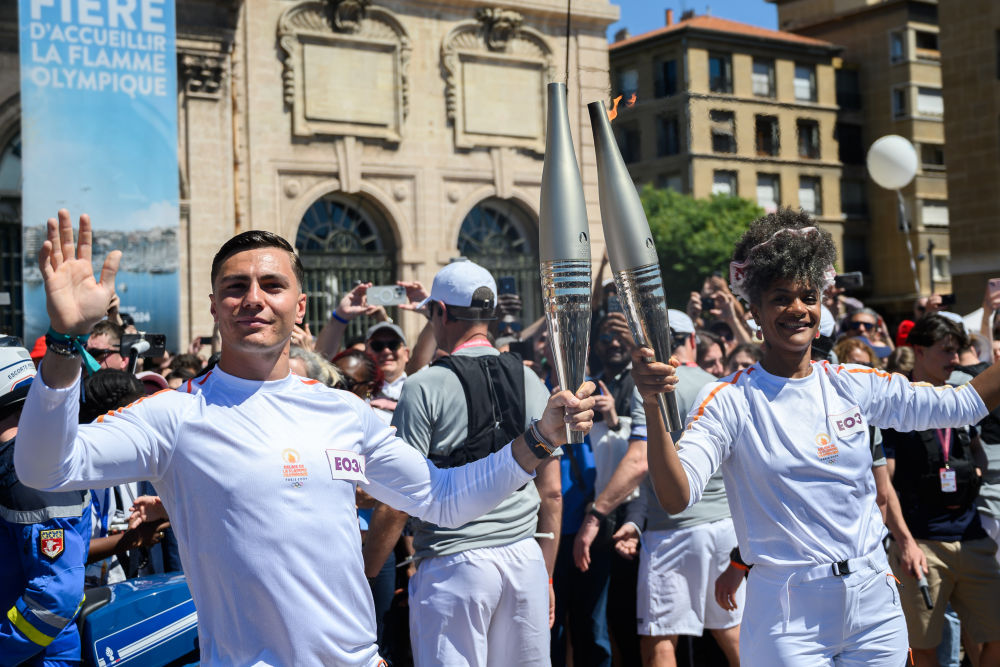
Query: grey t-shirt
pixel 713 505
pixel 432 416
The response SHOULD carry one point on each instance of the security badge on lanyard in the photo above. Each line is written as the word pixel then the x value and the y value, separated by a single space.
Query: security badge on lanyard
pixel 948 482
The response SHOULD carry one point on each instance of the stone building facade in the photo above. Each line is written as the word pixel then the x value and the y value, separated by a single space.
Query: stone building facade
pixel 381 137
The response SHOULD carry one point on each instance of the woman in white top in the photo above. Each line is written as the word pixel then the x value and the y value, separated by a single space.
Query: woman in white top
pixel 791 437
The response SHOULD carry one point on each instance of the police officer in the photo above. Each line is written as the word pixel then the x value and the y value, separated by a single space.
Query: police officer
pixel 44 539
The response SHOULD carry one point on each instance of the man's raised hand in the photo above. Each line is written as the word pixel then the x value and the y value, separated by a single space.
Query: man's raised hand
pixel 74 299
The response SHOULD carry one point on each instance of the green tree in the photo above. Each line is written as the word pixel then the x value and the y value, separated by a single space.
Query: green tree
pixel 694 237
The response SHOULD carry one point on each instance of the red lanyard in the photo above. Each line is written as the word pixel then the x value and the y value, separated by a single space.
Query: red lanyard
pixel 945 443
pixel 472 342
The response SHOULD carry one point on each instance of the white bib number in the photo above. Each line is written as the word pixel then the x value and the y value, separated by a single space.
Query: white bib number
pixel 346 465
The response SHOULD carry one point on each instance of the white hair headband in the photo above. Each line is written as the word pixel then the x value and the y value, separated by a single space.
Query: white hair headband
pixel 739 271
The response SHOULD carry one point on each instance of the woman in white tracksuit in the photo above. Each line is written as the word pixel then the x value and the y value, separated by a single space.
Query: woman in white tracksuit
pixel 791 437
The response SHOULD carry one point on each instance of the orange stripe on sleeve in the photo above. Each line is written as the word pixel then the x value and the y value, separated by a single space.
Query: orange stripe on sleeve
pixel 711 395
pixel 124 407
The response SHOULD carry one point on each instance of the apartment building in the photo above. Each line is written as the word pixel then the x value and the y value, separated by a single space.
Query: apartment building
pixel 726 107
pixel 887 82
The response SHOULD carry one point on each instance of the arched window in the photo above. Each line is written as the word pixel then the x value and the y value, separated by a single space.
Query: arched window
pixel 11 316
pixel 499 235
pixel 342 241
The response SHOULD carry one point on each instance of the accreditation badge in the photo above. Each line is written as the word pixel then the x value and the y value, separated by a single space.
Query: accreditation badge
pixel 949 484
pixel 52 543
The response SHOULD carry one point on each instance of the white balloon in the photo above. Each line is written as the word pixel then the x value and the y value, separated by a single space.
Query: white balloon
pixel 892 162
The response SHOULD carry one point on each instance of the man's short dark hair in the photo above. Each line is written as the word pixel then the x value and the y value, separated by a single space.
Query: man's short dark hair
pixel 109 329
pixel 256 239
pixel 481 310
pixel 932 328
pixel 706 339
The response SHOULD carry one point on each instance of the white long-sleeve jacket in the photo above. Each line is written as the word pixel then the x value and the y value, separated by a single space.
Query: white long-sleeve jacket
pixel 259 479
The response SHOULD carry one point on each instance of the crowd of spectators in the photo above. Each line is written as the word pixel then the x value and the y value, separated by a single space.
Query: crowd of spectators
pixel 617 554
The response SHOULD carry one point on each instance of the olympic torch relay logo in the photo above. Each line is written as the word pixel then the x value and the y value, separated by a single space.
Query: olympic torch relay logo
pixel 293 470
pixel 826 450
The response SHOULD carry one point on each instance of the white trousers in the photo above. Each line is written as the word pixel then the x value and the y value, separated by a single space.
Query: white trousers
pixel 481 607
pixel 808 617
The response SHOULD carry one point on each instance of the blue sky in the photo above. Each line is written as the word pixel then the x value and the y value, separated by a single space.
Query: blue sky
pixel 641 16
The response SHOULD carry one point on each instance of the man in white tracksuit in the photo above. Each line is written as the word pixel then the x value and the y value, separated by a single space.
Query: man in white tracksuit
pixel 256 467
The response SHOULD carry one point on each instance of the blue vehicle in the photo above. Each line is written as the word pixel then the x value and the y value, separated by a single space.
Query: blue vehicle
pixel 148 622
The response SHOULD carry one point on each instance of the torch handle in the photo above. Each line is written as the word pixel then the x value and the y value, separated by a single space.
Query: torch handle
pixel 566 294
pixel 640 292
pixel 669 411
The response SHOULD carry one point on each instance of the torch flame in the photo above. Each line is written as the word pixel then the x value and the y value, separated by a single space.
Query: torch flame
pixel 613 112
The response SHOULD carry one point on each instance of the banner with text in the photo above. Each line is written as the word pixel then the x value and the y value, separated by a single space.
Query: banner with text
pixel 99 136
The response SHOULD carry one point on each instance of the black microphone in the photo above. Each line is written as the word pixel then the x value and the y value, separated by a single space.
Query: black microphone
pixel 925 591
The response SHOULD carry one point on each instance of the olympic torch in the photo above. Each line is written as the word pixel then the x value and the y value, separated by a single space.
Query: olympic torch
pixel 564 251
pixel 632 254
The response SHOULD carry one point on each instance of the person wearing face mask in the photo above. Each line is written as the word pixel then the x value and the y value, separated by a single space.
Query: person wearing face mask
pixel 791 437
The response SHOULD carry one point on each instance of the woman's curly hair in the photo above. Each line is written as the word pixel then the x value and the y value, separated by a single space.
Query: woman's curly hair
pixel 803 258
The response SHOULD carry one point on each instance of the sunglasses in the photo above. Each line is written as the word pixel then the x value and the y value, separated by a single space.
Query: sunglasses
pixel 861 325
pixel 100 353
pixel 379 345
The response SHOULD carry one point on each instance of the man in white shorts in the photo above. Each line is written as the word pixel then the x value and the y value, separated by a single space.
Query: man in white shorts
pixel 481 592
pixel 682 555
pixel 256 467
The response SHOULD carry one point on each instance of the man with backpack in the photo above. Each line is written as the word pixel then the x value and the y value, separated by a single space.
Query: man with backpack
pixel 479 596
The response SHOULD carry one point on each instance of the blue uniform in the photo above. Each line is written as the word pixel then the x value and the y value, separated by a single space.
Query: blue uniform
pixel 44 539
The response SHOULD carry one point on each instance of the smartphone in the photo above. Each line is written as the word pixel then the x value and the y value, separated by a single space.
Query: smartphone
pixel 205 340
pixel 523 349
pixel 852 280
pixel 707 302
pixel 386 295
pixel 614 304
pixel 947 300
pixel 507 285
pixel 157 344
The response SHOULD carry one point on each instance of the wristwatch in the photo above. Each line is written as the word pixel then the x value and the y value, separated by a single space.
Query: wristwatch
pixel 601 516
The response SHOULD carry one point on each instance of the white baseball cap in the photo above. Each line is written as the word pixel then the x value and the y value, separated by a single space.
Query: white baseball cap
pixel 680 323
pixel 456 283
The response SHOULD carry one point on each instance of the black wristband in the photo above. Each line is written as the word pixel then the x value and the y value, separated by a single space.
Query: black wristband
pixel 538 446
pixel 601 516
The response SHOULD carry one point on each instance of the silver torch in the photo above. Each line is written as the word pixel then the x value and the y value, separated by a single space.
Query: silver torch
pixel 564 251
pixel 632 254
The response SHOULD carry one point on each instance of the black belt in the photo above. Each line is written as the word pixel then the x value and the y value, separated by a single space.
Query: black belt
pixel 841 569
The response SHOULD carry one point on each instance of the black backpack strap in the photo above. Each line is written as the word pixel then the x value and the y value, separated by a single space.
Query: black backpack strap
pixel 494 395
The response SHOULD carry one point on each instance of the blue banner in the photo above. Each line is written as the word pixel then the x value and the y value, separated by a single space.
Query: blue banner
pixel 99 136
